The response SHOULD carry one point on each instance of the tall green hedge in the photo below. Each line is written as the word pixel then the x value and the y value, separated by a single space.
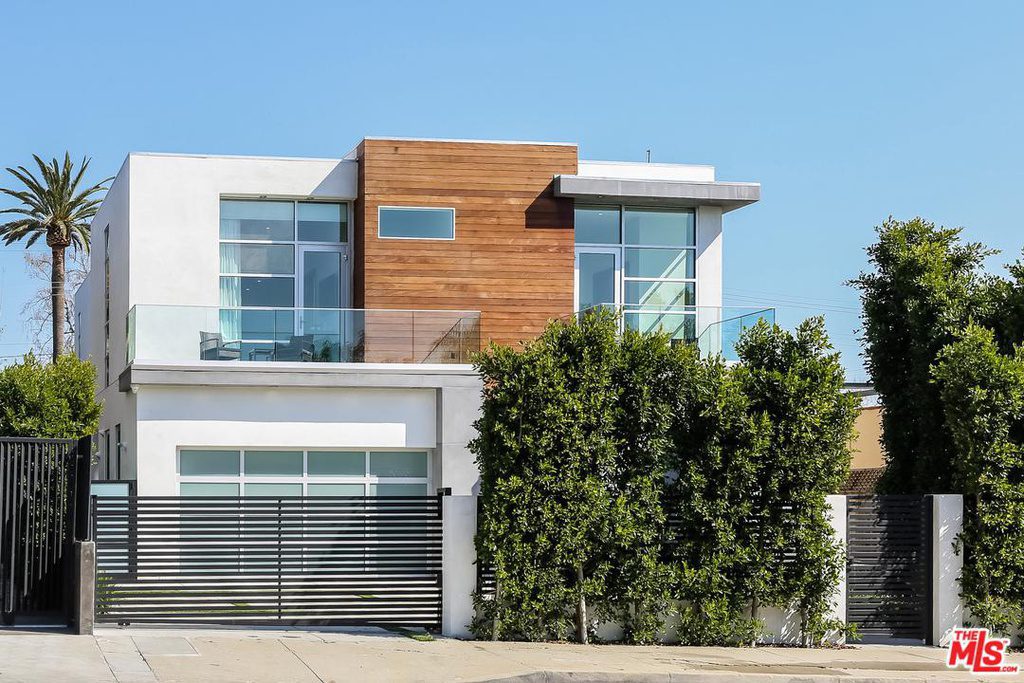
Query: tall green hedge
pixel 49 400
pixel 983 392
pixel 622 474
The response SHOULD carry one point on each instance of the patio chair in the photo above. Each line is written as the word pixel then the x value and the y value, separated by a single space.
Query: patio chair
pixel 298 348
pixel 212 347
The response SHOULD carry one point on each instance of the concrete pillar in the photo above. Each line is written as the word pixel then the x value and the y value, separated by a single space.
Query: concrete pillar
pixel 837 517
pixel 458 565
pixel 84 587
pixel 947 609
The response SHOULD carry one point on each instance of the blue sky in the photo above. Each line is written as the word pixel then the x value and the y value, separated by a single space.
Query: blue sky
pixel 845 112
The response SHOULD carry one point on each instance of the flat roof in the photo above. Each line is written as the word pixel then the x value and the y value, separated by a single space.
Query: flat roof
pixel 686 193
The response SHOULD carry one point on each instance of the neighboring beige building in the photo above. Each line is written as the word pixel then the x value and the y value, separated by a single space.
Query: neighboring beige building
pixel 867 447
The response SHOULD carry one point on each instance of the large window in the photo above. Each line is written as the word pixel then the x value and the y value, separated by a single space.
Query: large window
pixel 642 260
pixel 412 222
pixel 294 472
pixel 289 256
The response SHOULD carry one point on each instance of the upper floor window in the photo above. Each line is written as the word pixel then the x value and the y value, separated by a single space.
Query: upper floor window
pixel 409 222
pixel 641 260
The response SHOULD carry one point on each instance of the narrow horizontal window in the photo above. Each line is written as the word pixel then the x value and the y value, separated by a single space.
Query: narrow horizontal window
pixel 660 294
pixel 667 264
pixel 270 292
pixel 257 220
pixel 416 223
pixel 675 325
pixel 273 259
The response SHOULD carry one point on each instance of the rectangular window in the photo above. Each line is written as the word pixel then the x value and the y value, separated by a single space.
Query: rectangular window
pixel 342 463
pixel 321 222
pixel 194 463
pixel 597 224
pixel 273 463
pixel 659 294
pixel 263 259
pixel 409 222
pixel 261 220
pixel 208 489
pixel 265 472
pixel 660 264
pixel 660 227
pixel 266 292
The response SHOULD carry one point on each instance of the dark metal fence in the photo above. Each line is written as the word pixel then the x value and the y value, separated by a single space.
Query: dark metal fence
pixel 267 560
pixel 889 567
pixel 37 527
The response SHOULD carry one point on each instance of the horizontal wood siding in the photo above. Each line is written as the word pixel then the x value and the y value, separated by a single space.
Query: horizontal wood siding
pixel 512 257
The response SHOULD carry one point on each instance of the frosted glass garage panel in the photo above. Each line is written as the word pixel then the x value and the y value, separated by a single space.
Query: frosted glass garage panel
pixel 273 463
pixel 336 463
pixel 209 463
pixel 399 464
pixel 208 489
pixel 338 490
pixel 398 489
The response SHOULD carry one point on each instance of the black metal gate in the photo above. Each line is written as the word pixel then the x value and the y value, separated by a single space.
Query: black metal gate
pixel 269 561
pixel 889 567
pixel 37 528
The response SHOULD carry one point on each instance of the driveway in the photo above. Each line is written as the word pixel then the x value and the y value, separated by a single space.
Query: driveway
pixel 146 655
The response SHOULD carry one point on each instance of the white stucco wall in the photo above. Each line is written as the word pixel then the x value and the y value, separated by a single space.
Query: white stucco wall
pixel 175 215
pixel 269 417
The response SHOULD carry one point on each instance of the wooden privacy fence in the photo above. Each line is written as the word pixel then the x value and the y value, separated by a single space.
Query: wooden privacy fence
pixel 269 560
pixel 39 482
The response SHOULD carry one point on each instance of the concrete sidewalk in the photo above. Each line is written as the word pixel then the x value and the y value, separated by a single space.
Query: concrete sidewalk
pixel 146 655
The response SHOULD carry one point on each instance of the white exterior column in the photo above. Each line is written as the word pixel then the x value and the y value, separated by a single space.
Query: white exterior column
pixel 947 609
pixel 458 569
pixel 837 517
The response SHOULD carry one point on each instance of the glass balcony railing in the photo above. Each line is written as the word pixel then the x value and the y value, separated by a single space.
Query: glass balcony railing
pixel 317 335
pixel 714 329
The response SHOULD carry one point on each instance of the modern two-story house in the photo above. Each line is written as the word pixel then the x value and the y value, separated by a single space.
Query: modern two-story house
pixel 280 326
pixel 271 328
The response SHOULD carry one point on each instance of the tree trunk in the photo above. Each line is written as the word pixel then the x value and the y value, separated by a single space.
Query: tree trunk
pixel 496 624
pixel 755 608
pixel 581 609
pixel 57 300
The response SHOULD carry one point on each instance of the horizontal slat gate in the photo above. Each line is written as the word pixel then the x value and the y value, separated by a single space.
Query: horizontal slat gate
pixel 888 575
pixel 268 560
pixel 37 493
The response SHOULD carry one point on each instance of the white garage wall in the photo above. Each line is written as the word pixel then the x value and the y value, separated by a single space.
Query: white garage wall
pixel 174 416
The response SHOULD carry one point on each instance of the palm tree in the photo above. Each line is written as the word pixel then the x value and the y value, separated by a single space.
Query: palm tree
pixel 54 207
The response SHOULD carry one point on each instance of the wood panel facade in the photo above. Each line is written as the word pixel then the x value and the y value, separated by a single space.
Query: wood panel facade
pixel 512 256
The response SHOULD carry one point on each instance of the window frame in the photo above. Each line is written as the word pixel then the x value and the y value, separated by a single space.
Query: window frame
pixel 344 247
pixel 366 480
pixel 416 208
pixel 621 246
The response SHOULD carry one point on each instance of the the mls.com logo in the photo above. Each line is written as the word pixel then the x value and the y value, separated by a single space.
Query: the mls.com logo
pixel 973 649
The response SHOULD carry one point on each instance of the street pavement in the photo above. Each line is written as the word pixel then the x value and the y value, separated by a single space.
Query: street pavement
pixel 147 655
